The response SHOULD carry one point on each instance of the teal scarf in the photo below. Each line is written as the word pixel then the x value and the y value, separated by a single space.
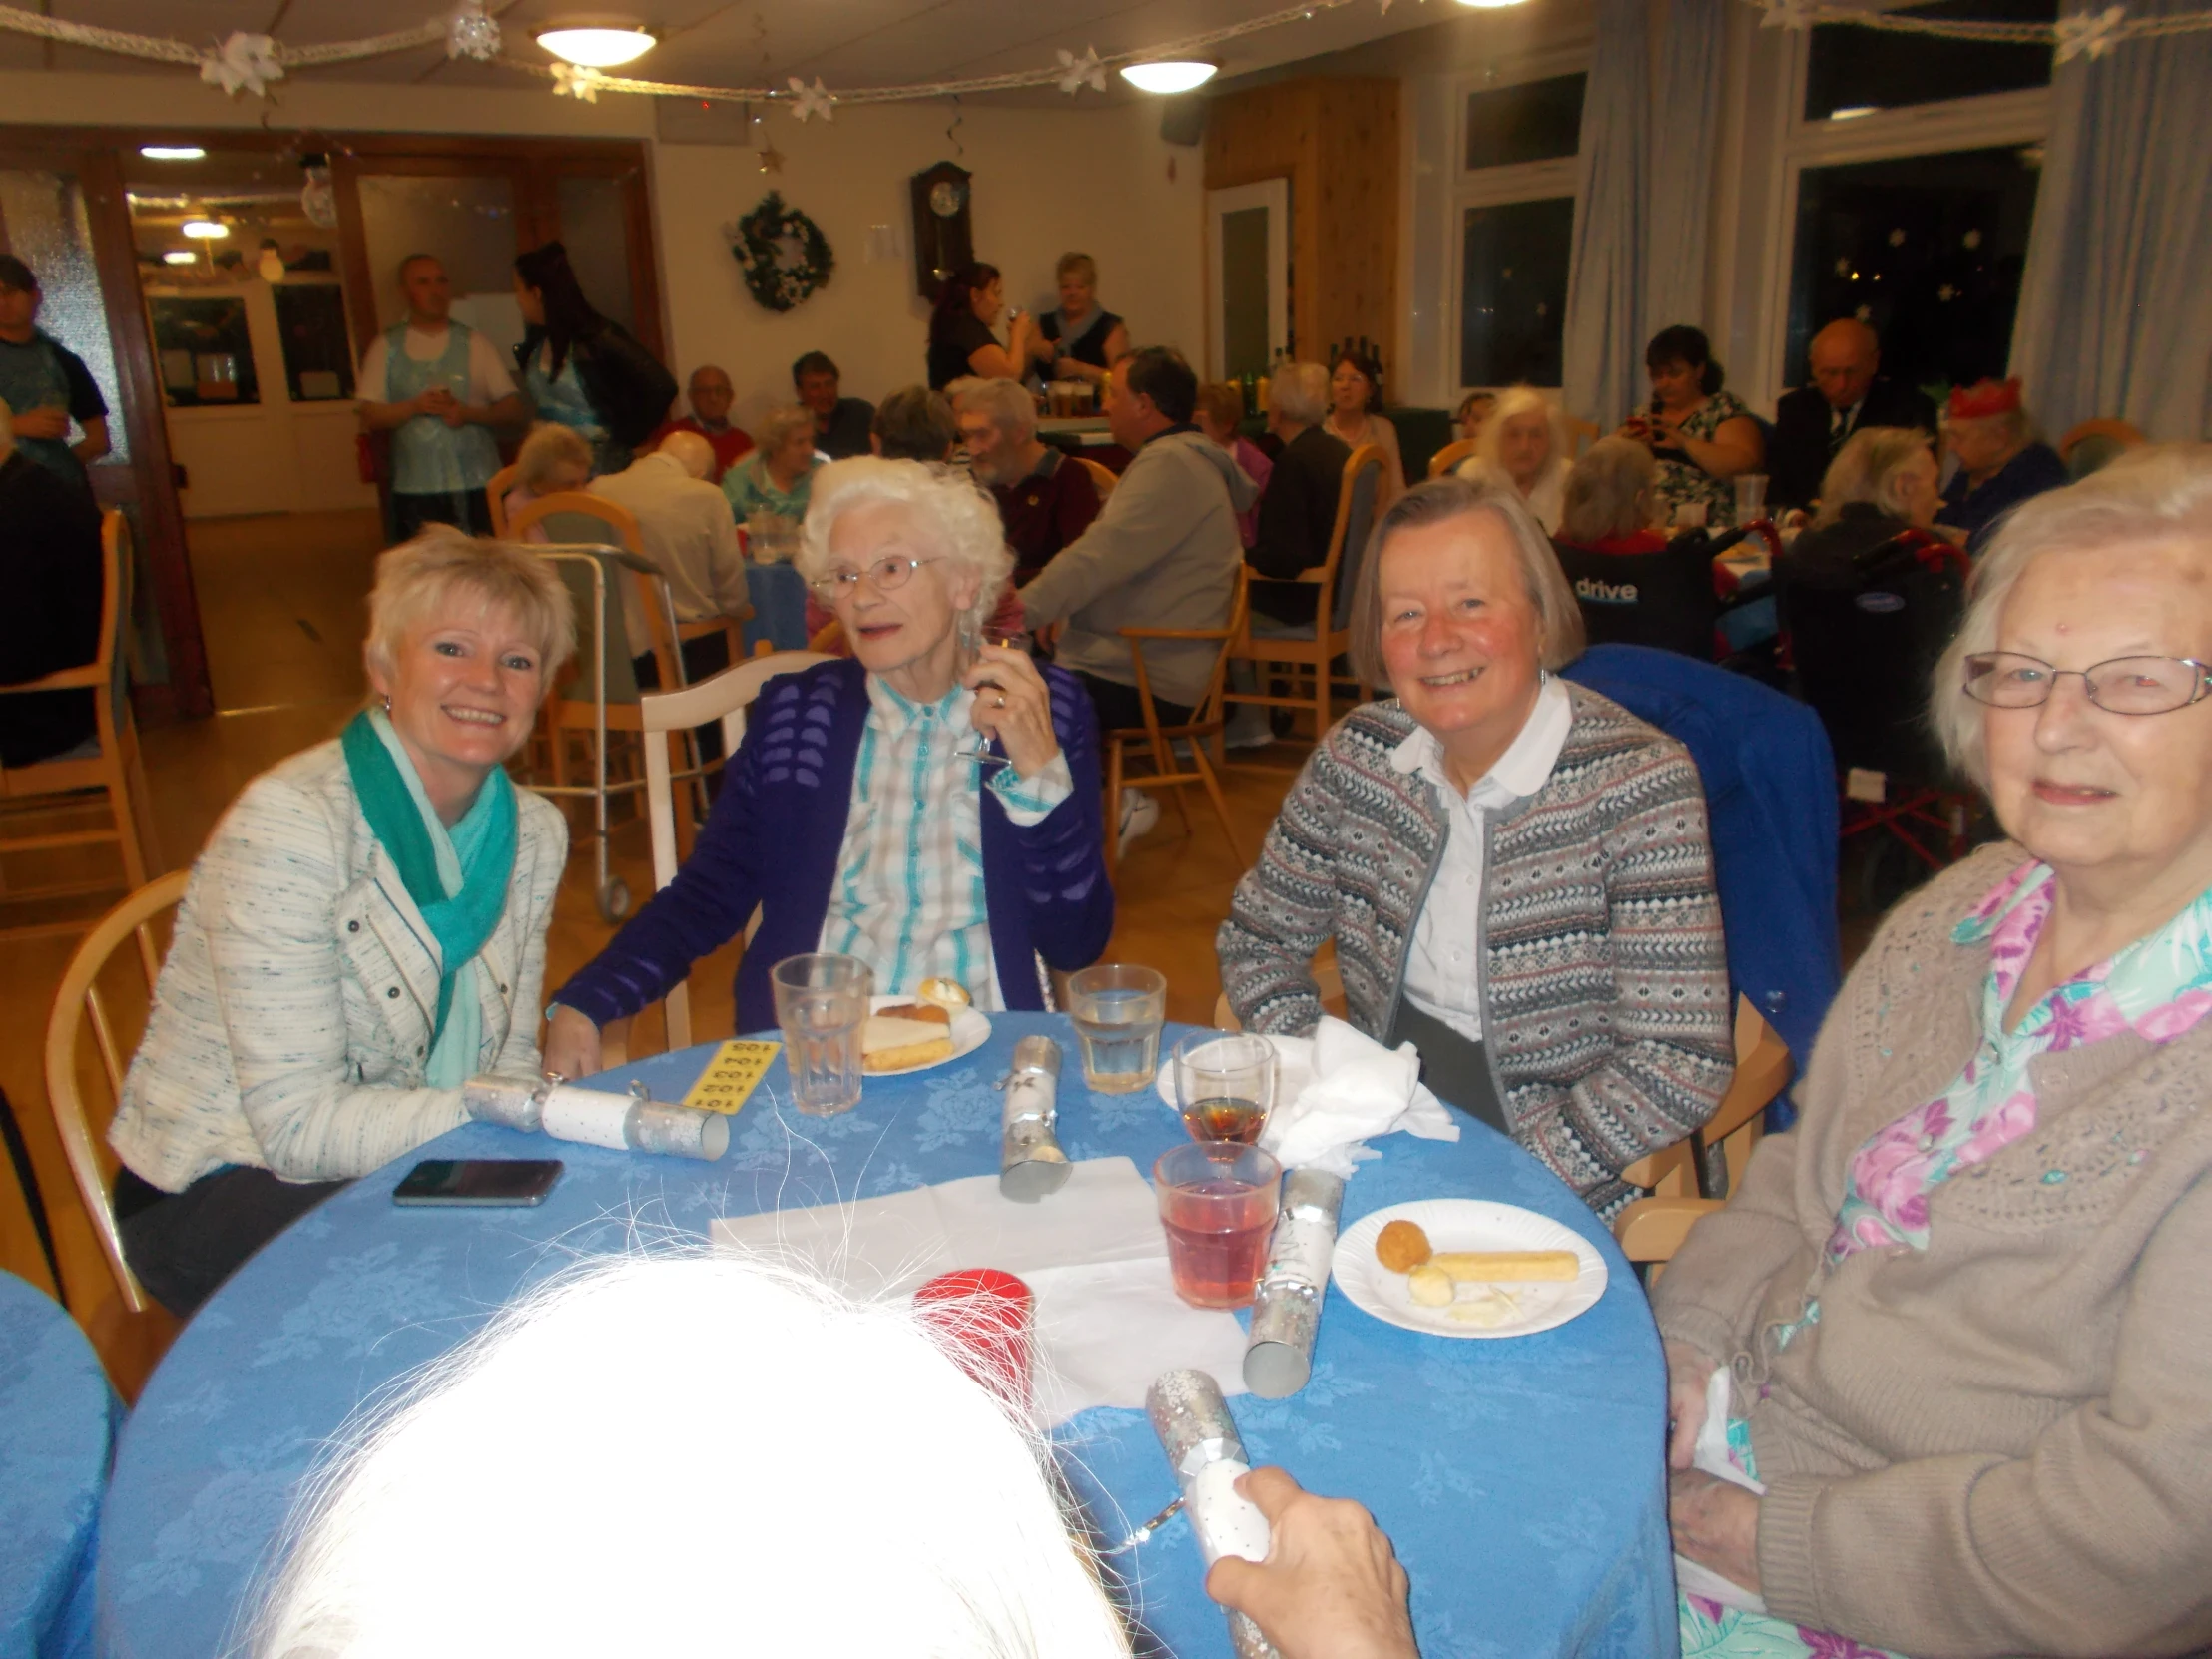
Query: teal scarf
pixel 484 847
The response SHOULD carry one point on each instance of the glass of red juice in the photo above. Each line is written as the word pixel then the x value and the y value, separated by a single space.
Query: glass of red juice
pixel 1217 1202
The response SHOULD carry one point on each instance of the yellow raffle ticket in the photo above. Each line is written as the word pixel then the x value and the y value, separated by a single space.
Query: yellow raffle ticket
pixel 731 1075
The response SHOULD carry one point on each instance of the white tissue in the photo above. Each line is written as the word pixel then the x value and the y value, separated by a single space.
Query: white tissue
pixel 1711 1455
pixel 1357 1088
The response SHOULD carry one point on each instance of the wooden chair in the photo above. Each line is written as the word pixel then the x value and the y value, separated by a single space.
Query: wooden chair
pixel 1450 456
pixel 116 770
pixel 1105 478
pixel 1208 718
pixel 722 697
pixel 126 1329
pixel 495 496
pixel 1580 435
pixel 1308 658
pixel 1650 1230
pixel 828 640
pixel 2096 444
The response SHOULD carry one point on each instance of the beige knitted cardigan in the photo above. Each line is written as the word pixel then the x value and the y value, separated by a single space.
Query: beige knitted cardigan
pixel 2001 1443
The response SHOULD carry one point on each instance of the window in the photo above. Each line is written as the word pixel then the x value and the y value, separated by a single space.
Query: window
pixel 1534 121
pixel 1853 70
pixel 1513 292
pixel 319 357
pixel 1926 248
pixel 1512 221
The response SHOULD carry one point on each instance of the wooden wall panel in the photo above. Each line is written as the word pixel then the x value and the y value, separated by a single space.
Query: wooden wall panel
pixel 1337 141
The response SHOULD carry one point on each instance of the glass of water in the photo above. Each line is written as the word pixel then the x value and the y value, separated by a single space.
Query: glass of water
pixel 822 1003
pixel 1118 1010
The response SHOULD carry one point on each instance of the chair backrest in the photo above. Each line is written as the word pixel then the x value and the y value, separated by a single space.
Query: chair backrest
pixel 1450 456
pixel 1347 544
pixel 1105 478
pixel 1582 434
pixel 721 697
pixel 78 1002
pixel 495 497
pixel 577 518
pixel 1662 599
pixel 117 567
pixel 2095 445
pixel 1208 709
pixel 597 577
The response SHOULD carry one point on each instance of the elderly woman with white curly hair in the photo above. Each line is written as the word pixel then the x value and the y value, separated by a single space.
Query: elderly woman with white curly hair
pixel 929 806
pixel 1523 439
pixel 364 931
pixel 1955 1321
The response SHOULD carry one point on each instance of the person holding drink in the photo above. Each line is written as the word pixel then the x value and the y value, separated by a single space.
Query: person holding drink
pixel 928 806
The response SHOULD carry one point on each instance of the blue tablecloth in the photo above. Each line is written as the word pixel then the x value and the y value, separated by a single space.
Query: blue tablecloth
pixel 57 1428
pixel 779 607
pixel 1521 1481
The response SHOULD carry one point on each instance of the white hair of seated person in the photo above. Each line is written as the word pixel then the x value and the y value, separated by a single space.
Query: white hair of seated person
pixel 1300 393
pixel 681 1454
pixel 690 451
pixel 951 518
pixel 1006 403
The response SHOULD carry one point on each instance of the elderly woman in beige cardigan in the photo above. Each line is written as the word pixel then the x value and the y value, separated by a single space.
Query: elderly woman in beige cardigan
pixel 1957 1320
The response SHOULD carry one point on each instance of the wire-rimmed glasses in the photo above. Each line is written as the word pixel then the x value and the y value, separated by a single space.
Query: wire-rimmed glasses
pixel 2118 685
pixel 889 573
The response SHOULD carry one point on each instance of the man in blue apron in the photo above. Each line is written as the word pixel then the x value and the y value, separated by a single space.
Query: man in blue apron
pixel 439 388
pixel 45 385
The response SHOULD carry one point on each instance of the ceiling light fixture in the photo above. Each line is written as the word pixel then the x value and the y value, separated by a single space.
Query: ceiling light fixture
pixel 172 152
pixel 1169 75
pixel 1853 112
pixel 207 230
pixel 1491 5
pixel 595 42
pixel 180 255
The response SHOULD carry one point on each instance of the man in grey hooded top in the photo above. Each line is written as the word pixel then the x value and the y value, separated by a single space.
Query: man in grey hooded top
pixel 1161 553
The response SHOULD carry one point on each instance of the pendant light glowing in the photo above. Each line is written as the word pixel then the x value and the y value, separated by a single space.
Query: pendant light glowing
pixel 1169 75
pixel 180 255
pixel 1491 5
pixel 596 45
pixel 207 230
pixel 172 152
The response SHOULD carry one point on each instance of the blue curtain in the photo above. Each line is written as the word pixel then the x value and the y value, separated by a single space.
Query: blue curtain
pixel 1643 187
pixel 2116 315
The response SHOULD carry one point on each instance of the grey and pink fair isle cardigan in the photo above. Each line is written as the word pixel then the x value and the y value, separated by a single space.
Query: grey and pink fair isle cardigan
pixel 1605 981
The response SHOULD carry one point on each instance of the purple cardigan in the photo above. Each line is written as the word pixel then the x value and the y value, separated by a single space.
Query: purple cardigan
pixel 778 826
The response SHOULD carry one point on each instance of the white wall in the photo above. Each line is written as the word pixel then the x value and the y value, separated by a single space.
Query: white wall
pixel 1046 180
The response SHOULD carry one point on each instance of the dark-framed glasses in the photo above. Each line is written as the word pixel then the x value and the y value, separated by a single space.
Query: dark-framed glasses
pixel 890 574
pixel 2119 685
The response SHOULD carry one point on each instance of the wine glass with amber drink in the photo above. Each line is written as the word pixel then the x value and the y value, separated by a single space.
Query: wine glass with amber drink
pixel 1225 1085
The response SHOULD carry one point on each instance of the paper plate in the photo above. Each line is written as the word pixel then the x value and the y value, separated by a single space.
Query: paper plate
pixel 970 1032
pixel 1466 1223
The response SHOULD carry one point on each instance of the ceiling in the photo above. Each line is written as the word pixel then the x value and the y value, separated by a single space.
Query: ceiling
pixel 848 43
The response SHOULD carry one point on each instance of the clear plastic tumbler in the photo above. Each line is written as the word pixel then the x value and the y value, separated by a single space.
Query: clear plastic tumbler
pixel 1118 1010
pixel 822 1003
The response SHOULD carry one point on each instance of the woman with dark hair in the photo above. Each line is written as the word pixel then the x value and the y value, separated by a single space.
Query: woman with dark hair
pixel 1701 436
pixel 1356 415
pixel 581 369
pixel 960 340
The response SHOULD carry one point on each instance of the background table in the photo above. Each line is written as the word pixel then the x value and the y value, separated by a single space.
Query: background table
pixel 56 1428
pixel 1521 1481
pixel 779 598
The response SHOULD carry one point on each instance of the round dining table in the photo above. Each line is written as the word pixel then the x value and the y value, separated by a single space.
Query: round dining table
pixel 57 1428
pixel 1521 1480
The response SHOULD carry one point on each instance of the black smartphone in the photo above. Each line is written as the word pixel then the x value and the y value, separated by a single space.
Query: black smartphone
pixel 478 1180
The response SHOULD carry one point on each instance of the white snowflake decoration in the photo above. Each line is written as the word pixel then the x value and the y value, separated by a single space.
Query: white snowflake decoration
pixel 811 99
pixel 472 34
pixel 243 63
pixel 2091 33
pixel 1077 72
pixel 578 81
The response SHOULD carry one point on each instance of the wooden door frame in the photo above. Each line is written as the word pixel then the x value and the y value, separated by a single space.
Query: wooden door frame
pixel 95 156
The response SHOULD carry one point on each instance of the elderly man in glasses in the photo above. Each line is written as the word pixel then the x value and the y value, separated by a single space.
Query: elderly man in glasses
pixel 1957 1313
pixel 929 806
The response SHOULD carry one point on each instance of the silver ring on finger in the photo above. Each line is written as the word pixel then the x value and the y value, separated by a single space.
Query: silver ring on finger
pixel 1001 700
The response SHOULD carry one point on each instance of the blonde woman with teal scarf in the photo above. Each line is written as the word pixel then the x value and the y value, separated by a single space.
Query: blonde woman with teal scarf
pixel 363 932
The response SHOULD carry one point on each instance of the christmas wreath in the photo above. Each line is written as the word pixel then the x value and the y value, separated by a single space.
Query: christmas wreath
pixel 784 254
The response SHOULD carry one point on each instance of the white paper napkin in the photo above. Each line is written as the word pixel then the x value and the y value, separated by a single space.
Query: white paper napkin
pixel 1711 1455
pixel 1108 1320
pixel 1355 1088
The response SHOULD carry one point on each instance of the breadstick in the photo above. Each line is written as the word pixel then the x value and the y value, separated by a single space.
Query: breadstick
pixel 1508 1267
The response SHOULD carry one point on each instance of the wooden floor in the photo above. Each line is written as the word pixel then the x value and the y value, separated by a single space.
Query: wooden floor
pixel 282 602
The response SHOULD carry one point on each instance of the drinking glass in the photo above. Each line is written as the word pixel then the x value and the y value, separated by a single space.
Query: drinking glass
pixel 1225 1085
pixel 1118 1011
pixel 1751 497
pixel 1217 1203
pixel 822 1003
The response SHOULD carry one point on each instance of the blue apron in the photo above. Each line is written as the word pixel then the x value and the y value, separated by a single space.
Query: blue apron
pixel 561 398
pixel 32 378
pixel 429 457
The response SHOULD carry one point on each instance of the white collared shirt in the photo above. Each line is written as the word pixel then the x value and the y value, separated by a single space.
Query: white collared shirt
pixel 908 898
pixel 1443 968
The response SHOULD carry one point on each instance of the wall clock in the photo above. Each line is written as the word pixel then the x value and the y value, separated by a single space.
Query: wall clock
pixel 944 239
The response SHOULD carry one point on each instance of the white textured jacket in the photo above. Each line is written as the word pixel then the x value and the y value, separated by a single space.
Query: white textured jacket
pixel 292 1021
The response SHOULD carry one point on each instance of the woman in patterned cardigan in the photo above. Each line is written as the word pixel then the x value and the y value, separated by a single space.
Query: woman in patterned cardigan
pixel 1514 870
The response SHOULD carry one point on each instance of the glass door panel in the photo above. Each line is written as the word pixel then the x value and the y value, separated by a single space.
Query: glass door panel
pixel 595 228
pixel 44 223
pixel 468 221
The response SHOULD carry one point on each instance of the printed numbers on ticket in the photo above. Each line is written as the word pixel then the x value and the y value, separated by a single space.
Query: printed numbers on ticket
pixel 730 1077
